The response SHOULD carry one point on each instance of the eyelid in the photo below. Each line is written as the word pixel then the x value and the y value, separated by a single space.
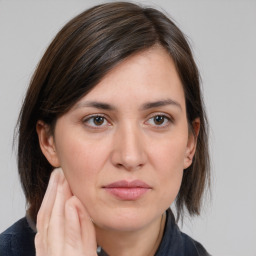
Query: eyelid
pixel 91 116
pixel 167 116
pixel 109 123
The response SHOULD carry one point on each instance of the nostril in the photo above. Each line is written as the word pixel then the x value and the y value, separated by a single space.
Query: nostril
pixel 119 165
pixel 129 167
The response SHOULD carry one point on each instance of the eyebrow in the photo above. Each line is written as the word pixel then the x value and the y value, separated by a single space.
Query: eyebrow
pixel 160 103
pixel 95 104
pixel 145 106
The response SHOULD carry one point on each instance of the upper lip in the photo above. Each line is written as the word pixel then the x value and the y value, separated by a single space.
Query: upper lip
pixel 128 184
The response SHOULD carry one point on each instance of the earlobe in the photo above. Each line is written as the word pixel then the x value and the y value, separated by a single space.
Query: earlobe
pixel 47 144
pixel 192 142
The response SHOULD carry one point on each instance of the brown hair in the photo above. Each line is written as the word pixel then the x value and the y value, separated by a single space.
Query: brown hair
pixel 81 54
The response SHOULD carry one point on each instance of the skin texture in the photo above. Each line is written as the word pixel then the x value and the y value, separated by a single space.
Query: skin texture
pixel 63 224
pixel 131 140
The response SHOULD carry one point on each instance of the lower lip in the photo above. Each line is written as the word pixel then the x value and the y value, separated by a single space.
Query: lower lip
pixel 129 194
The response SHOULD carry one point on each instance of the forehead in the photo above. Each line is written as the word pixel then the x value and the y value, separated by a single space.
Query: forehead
pixel 146 76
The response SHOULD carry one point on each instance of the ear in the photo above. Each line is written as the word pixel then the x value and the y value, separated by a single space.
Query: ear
pixel 46 142
pixel 192 141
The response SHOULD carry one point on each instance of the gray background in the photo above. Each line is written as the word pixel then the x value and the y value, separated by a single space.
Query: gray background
pixel 223 38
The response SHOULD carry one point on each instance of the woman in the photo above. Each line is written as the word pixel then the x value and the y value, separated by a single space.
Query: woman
pixel 113 123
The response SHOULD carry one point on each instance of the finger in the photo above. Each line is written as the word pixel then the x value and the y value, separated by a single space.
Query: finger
pixel 41 250
pixel 73 235
pixel 83 225
pixel 44 214
pixel 57 220
pixel 45 210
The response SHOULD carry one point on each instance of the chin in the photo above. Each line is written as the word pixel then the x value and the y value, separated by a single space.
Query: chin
pixel 125 219
pixel 121 225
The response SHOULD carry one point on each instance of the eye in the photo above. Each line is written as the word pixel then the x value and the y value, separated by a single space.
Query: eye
pixel 159 120
pixel 96 121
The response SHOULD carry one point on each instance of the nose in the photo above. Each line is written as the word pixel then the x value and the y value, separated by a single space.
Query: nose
pixel 129 148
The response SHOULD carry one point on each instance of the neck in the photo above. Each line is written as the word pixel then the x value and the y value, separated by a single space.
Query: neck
pixel 141 242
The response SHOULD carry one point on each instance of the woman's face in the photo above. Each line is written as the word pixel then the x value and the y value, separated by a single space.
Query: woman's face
pixel 124 145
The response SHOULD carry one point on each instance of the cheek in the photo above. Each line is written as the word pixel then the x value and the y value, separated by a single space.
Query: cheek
pixel 169 162
pixel 81 162
pixel 169 154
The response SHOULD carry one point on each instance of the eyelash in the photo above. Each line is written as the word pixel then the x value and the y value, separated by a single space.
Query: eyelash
pixel 167 119
pixel 92 117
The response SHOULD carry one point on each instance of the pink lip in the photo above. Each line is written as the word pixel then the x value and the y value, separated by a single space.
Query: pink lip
pixel 126 190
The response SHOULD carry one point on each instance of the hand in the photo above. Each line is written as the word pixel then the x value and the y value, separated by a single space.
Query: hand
pixel 64 227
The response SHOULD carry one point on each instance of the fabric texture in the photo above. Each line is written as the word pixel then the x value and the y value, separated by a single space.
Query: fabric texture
pixel 18 240
pixel 176 243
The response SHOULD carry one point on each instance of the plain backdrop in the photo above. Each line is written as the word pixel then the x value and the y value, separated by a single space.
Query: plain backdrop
pixel 223 37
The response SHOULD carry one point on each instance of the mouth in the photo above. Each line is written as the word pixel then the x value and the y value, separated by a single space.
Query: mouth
pixel 128 190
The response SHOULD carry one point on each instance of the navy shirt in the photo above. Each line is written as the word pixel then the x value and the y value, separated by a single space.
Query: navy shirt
pixel 18 240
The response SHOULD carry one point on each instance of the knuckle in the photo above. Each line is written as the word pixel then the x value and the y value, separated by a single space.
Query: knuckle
pixel 38 241
pixel 37 238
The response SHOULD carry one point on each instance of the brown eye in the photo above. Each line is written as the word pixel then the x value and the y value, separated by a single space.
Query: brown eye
pixel 98 120
pixel 158 120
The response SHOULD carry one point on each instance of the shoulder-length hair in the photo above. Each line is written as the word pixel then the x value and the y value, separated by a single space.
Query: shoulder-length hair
pixel 80 55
